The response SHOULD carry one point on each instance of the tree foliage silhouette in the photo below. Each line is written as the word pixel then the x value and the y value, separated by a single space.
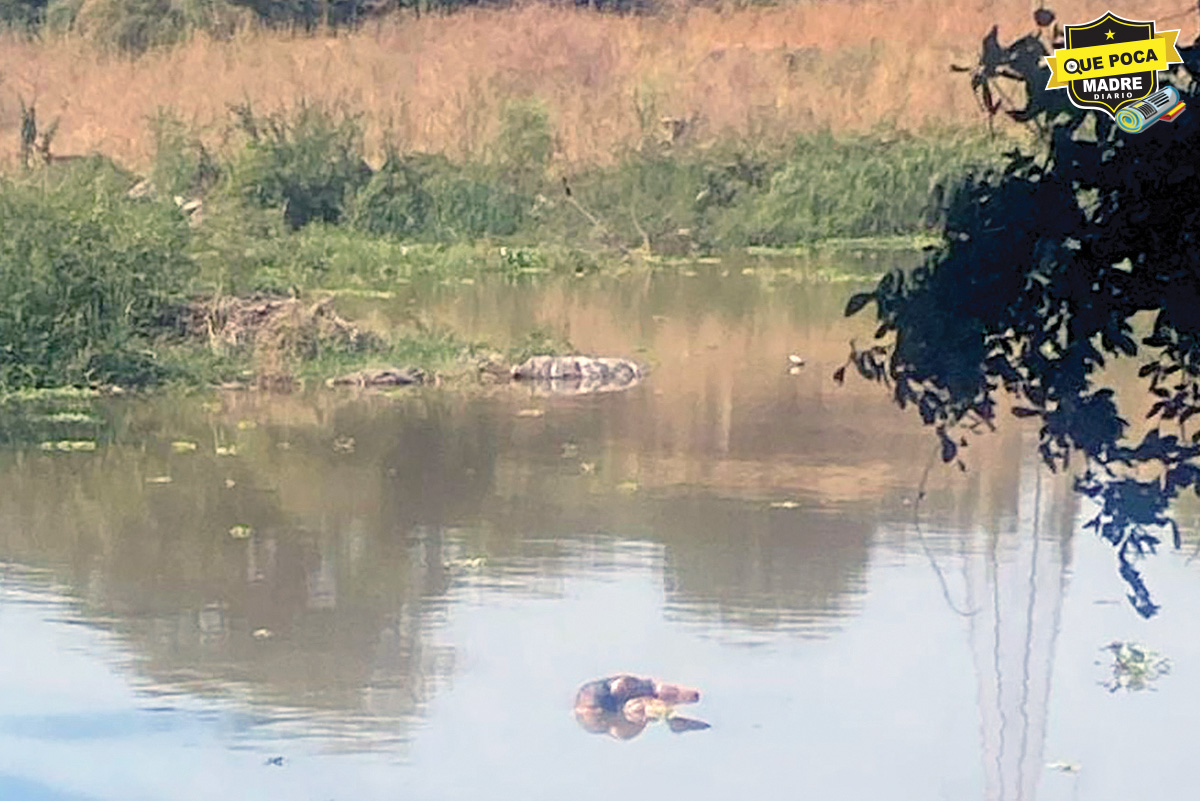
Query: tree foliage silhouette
pixel 1044 264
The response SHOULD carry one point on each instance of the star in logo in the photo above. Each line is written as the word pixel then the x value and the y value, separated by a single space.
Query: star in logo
pixel 1108 34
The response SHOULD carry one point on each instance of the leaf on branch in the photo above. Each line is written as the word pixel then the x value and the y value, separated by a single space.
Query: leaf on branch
pixel 857 301
pixel 949 448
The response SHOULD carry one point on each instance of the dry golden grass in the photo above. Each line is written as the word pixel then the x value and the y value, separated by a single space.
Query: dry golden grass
pixel 438 84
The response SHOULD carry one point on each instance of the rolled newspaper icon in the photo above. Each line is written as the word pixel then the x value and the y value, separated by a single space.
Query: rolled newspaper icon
pixel 1141 115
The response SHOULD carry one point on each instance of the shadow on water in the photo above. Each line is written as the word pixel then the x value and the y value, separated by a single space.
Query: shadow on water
pixel 371 573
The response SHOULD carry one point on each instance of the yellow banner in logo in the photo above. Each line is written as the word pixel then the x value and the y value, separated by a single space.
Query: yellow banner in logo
pixel 1109 60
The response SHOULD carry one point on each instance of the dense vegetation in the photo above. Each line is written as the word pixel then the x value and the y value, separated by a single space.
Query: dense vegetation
pixel 518 162
pixel 85 276
pixel 99 263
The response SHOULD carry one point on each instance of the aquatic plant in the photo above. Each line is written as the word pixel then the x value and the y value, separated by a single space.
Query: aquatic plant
pixel 1135 667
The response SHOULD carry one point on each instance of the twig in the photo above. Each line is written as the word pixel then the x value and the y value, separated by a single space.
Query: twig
pixel 593 219
pixel 925 545
pixel 640 230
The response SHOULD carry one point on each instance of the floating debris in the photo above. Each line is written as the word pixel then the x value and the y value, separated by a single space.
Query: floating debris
pixel 227 450
pixel 182 446
pixel 159 480
pixel 531 413
pixel 275 761
pixel 230 483
pixel 343 445
pixel 67 417
pixel 241 532
pixel 1064 767
pixel 69 446
pixel 465 563
pixel 587 468
pixel 796 359
pixel 262 634
pixel 628 486
pixel 680 725
pixel 570 450
pixel 1135 667
pixel 785 505
pixel 246 425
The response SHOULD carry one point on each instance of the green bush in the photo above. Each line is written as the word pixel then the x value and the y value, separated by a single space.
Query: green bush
pixel 307 163
pixel 131 26
pixel 431 198
pixel 22 14
pixel 865 186
pixel 395 201
pixel 472 202
pixel 135 26
pixel 87 276
pixel 61 14
pixel 182 165
pixel 525 144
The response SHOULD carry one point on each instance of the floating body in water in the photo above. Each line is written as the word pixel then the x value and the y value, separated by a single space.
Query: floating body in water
pixel 622 706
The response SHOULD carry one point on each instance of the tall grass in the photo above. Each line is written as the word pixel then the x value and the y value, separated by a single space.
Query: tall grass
pixel 442 84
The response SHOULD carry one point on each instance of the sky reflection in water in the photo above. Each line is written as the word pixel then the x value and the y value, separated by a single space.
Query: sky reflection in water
pixel 725 525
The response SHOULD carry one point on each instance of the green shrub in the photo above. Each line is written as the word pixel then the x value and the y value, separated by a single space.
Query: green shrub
pixel 22 14
pixel 525 144
pixel 182 165
pixel 865 186
pixel 432 198
pixel 307 163
pixel 131 26
pixel 395 200
pixel 87 276
pixel 472 202
pixel 61 14
pixel 135 26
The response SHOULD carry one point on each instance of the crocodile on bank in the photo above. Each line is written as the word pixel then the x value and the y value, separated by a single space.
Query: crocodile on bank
pixel 622 706
pixel 577 375
pixel 547 375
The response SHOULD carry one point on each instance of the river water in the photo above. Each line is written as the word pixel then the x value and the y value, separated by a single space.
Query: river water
pixel 340 595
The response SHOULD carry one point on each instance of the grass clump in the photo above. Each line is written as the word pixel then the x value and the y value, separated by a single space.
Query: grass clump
pixel 430 198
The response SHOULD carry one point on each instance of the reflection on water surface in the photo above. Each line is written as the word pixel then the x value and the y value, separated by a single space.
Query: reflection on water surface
pixel 346 595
